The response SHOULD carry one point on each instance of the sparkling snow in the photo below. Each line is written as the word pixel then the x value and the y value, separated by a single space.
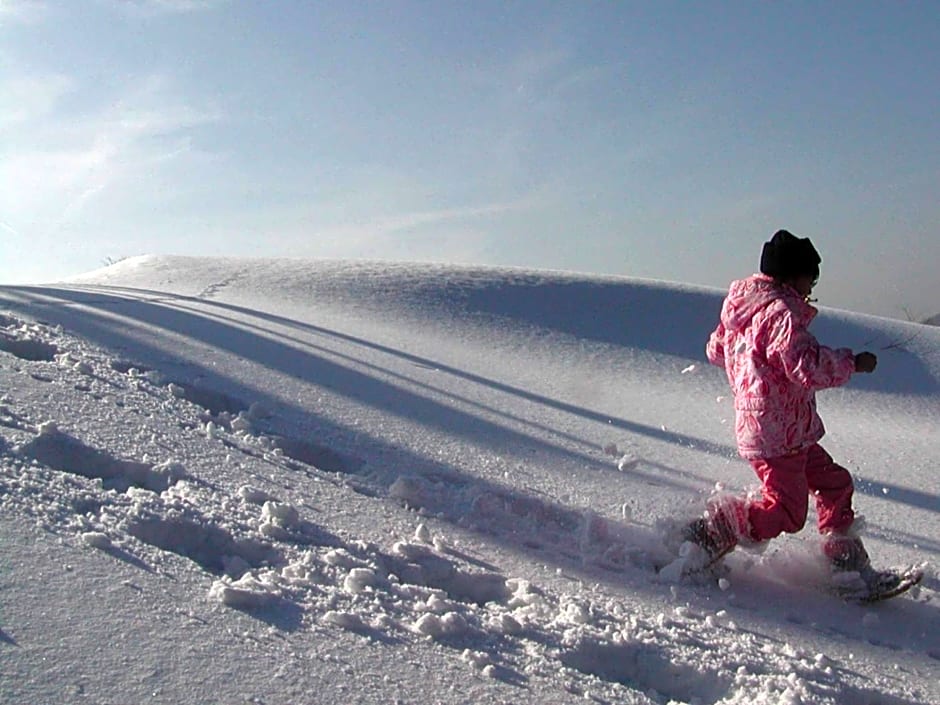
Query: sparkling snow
pixel 287 481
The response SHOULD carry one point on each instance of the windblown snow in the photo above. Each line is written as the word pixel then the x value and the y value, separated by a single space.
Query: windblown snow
pixel 290 481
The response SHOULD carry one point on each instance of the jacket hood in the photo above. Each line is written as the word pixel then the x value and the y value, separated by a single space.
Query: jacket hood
pixel 748 297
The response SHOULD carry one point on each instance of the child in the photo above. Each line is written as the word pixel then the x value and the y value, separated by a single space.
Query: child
pixel 775 366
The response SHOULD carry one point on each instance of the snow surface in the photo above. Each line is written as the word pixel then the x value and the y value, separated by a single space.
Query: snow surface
pixel 287 481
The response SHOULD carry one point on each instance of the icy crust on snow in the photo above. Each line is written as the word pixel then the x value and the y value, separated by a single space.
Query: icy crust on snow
pixel 260 552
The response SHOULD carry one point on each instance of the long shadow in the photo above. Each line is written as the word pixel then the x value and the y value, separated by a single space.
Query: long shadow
pixel 127 557
pixel 164 311
pixel 289 618
pixel 7 639
pixel 409 381
pixel 161 313
pixel 110 334
pixel 676 438
pixel 896 536
pixel 313 369
pixel 717 449
pixel 896 493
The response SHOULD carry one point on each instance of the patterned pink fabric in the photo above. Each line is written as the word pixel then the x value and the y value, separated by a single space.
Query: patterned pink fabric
pixel 774 366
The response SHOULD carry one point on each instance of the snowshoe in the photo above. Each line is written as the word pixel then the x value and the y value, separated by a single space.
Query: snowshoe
pixel 870 585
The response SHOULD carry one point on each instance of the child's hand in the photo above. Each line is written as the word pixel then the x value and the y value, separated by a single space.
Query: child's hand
pixel 865 362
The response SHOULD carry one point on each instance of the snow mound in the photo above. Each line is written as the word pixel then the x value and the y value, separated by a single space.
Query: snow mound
pixel 425 483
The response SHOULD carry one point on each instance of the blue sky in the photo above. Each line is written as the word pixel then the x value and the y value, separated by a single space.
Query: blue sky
pixel 654 139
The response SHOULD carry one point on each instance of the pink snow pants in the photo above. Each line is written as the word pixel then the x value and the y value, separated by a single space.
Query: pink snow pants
pixel 787 481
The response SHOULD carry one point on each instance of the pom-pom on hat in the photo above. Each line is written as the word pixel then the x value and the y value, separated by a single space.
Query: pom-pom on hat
pixel 787 256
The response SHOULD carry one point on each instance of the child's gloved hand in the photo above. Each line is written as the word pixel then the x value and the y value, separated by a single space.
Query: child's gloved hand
pixel 865 362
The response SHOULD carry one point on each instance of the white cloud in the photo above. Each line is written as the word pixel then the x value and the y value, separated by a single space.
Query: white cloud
pixel 53 168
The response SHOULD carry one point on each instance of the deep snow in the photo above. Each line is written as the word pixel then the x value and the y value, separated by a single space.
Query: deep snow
pixel 287 481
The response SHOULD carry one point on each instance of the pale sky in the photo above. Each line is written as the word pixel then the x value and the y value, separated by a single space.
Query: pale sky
pixel 654 139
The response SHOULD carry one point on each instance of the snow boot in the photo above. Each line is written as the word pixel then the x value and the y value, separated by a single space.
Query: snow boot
pixel 846 554
pixel 723 525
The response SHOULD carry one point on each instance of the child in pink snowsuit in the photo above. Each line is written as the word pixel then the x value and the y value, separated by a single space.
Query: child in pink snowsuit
pixel 775 366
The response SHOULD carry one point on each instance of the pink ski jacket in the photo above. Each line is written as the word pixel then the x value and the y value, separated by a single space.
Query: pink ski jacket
pixel 774 366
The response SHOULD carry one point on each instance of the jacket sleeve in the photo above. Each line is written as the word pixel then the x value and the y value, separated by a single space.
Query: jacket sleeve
pixel 715 349
pixel 803 360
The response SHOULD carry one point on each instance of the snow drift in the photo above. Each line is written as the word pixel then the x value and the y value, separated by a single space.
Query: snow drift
pixel 293 481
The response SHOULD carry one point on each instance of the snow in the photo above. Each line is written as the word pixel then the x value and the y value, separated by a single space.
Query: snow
pixel 285 481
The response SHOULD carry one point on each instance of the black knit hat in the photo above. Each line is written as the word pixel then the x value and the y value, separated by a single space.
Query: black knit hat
pixel 787 256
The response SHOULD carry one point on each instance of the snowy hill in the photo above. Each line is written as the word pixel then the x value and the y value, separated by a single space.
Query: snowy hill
pixel 289 481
